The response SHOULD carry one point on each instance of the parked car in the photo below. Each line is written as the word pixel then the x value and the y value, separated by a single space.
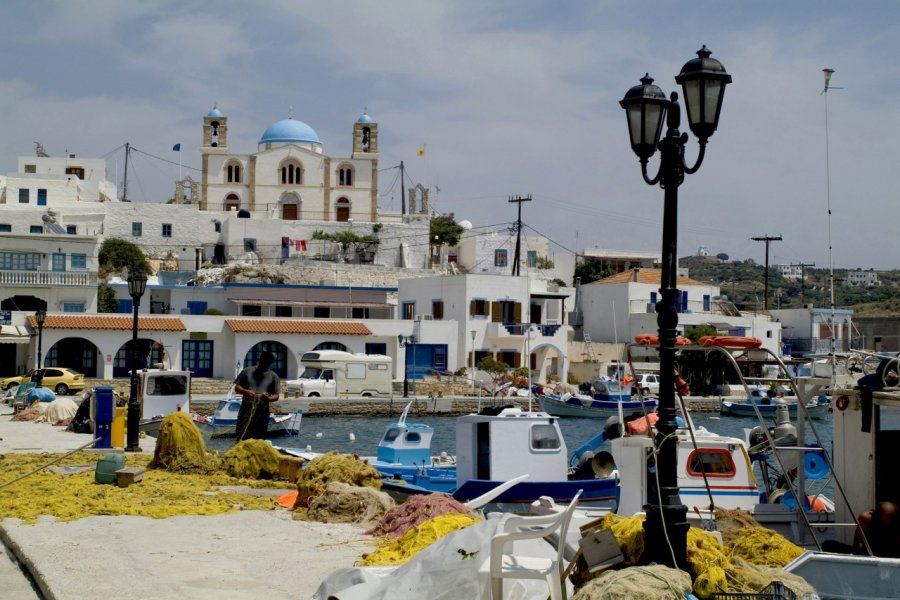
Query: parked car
pixel 61 380
pixel 647 382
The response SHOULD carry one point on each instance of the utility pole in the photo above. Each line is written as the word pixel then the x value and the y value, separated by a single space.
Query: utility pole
pixel 402 191
pixel 518 200
pixel 802 277
pixel 766 239
pixel 125 181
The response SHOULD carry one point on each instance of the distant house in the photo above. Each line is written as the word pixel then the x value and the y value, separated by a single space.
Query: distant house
pixel 860 278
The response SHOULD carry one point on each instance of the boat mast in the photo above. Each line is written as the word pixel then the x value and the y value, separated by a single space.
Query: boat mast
pixel 125 180
pixel 827 73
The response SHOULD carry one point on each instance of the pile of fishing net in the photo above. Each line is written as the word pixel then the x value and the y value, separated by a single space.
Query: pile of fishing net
pixel 752 557
pixel 345 503
pixel 252 459
pixel 415 511
pixel 180 447
pixel 346 468
pixel 60 411
pixel 396 551
pixel 653 582
pixel 32 413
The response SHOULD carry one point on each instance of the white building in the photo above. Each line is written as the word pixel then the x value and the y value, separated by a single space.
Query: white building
pixel 793 272
pixel 808 330
pixel 622 306
pixel 516 320
pixel 494 253
pixel 860 278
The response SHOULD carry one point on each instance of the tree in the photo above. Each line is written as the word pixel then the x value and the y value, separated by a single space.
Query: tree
pixel 492 365
pixel 544 262
pixel 695 333
pixel 117 254
pixel 722 256
pixel 444 231
pixel 589 271
pixel 106 299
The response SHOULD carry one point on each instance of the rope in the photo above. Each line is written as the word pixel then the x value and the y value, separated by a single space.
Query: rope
pixel 55 460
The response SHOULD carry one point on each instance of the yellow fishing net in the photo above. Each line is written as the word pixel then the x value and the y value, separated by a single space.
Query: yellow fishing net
pixel 346 468
pixel 395 551
pixel 69 492
pixel 253 459
pixel 180 447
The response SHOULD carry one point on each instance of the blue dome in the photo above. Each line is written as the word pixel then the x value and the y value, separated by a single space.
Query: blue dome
pixel 215 112
pixel 365 119
pixel 290 130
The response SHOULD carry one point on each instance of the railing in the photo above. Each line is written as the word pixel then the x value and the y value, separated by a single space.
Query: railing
pixel 713 307
pixel 56 278
pixel 800 346
pixel 508 329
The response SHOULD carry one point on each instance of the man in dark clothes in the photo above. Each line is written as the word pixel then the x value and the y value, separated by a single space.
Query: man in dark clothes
pixel 258 386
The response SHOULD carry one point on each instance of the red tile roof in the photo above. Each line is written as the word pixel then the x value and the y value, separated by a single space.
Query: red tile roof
pixel 653 276
pixel 82 321
pixel 297 326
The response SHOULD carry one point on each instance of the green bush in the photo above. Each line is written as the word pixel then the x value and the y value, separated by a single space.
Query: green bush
pixel 213 311
pixel 107 302
pixel 116 254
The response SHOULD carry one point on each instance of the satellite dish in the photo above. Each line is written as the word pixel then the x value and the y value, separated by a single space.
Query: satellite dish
pixel 465 224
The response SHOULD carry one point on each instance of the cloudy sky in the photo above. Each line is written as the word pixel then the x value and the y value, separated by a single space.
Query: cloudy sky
pixel 508 97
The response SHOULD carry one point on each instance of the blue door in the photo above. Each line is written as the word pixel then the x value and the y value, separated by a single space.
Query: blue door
pixel 422 359
pixel 196 357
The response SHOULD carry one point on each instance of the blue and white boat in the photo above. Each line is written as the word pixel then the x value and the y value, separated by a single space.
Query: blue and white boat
pixel 607 396
pixel 758 399
pixel 492 449
pixel 224 420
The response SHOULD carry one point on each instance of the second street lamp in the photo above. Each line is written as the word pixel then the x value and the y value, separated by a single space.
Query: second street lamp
pixel 137 284
pixel 39 318
pixel 703 81
pixel 405 341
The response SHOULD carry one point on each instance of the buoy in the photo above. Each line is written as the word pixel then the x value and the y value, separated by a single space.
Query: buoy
pixel 308 448
pixel 841 403
pixel 319 435
pixel 352 437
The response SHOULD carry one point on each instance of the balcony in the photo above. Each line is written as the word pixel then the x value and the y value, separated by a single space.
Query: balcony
pixel 520 329
pixel 49 278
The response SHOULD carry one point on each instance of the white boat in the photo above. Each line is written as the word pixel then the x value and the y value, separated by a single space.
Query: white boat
pixel 223 422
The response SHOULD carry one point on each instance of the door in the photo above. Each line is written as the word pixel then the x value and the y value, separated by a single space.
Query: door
pixel 289 212
pixel 196 357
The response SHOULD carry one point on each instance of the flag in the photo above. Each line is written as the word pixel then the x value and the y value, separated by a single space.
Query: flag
pixel 420 151
pixel 176 148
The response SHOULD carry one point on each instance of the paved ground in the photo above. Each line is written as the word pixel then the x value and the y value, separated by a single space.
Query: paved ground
pixel 249 554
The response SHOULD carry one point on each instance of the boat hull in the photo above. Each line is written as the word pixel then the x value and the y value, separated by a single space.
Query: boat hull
pixel 592 408
pixel 746 409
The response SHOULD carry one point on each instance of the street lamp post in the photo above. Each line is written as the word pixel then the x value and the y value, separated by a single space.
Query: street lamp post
pixel 703 80
pixel 39 317
pixel 472 375
pixel 404 341
pixel 137 284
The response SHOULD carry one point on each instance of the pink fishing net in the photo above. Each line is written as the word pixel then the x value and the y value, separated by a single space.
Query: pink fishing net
pixel 415 511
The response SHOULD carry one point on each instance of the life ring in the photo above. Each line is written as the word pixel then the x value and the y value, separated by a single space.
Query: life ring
pixel 646 339
pixel 730 341
pixel 842 402
pixel 681 385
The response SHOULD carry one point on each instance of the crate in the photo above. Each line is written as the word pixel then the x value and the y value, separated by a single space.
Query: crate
pixel 129 475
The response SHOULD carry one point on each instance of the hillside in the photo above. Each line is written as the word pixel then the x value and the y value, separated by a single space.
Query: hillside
pixel 744 283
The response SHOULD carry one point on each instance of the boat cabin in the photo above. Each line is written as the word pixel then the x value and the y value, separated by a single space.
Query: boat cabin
pixel 162 392
pixel 406 444
pixel 511 443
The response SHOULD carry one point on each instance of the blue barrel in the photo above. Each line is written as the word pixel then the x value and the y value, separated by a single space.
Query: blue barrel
pixel 104 412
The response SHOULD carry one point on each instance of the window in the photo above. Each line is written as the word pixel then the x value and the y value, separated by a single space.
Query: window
pixel 500 258
pixel 249 244
pixel 5 228
pixel 360 312
pixel 356 370
pixel 409 311
pixel 42 197
pixel 544 437
pixel 331 346
pixel 322 312
pixel 76 171
pixel 437 309
pixel 31 168
pixel 232 202
pixel 73 307
pixel 715 462
pixel 413 438
pixel 196 307
pixel 233 173
pixel 125 306
pixel 283 311
pixel 531 258
pixel 58 262
pixel 251 310
pixel 20 261
pixel 291 173
pixel 167 230
pixel 36 229
pixel 376 348
pixel 345 176
pixel 71 229
pixel 478 308
pixel 137 229
pixel 23 195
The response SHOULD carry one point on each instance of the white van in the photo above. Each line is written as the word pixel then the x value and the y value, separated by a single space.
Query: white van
pixel 333 373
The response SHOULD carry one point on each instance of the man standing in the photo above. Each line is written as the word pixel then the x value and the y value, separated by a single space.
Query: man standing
pixel 258 386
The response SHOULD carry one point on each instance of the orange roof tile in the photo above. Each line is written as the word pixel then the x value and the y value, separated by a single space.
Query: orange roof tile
pixel 652 276
pixel 106 321
pixel 297 326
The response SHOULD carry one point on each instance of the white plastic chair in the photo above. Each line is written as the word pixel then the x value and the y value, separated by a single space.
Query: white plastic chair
pixel 505 565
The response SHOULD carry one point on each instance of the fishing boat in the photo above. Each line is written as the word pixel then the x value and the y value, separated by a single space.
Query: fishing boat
pixel 581 405
pixel 405 451
pixel 759 400
pixel 493 447
pixel 224 420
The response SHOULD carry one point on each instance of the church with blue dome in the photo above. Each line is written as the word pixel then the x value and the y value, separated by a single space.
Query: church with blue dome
pixel 289 176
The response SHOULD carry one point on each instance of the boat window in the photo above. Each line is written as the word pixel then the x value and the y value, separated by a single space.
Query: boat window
pixel 356 370
pixel 391 434
pixel 167 385
pixel 413 437
pixel 716 462
pixel 544 437
pixel 310 373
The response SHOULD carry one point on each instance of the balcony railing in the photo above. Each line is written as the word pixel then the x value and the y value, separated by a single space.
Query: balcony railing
pixel 510 329
pixel 55 278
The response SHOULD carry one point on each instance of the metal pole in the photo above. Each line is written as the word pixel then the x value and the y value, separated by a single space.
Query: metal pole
pixel 405 369
pixel 666 523
pixel 134 409
pixel 40 378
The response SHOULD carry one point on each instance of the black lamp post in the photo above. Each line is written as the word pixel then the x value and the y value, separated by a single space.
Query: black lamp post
pixel 703 80
pixel 137 284
pixel 403 341
pixel 39 317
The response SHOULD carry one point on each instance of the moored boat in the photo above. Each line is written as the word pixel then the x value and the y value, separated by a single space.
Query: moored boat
pixel 224 420
pixel 817 408
pixel 580 405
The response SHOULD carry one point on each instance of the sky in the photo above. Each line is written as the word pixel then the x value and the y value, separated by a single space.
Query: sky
pixel 507 97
